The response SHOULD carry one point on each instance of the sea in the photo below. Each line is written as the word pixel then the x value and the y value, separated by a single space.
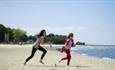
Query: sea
pixel 99 51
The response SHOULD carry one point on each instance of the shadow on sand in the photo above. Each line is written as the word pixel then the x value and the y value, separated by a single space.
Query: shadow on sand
pixel 74 66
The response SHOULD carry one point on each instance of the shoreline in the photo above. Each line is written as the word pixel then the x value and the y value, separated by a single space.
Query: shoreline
pixel 55 47
pixel 13 58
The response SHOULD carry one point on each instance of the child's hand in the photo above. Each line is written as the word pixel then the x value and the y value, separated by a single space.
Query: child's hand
pixel 66 47
pixel 42 43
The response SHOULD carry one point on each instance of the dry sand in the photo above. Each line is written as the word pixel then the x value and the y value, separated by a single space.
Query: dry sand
pixel 13 56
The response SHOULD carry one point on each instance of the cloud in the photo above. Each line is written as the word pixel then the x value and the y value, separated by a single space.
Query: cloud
pixel 61 30
pixel 48 28
pixel 57 30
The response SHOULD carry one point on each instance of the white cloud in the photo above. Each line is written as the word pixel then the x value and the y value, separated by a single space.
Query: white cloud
pixel 60 30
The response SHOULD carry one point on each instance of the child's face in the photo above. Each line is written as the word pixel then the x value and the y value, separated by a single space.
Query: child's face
pixel 71 37
pixel 44 33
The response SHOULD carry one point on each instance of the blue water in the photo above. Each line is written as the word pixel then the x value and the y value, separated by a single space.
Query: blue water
pixel 96 51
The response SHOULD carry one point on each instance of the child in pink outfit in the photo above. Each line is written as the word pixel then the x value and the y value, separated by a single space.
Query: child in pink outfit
pixel 68 44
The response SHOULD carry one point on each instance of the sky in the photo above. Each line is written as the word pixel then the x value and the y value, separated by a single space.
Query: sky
pixel 91 21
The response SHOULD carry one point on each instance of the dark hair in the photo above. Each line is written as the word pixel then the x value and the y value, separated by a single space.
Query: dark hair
pixel 70 35
pixel 41 33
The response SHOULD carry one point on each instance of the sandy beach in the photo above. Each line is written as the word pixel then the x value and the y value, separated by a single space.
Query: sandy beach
pixel 13 56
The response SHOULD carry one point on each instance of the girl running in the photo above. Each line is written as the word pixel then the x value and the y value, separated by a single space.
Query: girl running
pixel 37 46
pixel 68 44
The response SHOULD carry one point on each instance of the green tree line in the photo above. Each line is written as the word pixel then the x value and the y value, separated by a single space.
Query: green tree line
pixel 16 35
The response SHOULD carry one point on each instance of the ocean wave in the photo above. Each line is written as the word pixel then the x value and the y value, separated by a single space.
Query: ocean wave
pixel 94 47
pixel 107 58
pixel 84 54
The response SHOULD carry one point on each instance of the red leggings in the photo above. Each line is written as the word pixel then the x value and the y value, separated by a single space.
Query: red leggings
pixel 68 56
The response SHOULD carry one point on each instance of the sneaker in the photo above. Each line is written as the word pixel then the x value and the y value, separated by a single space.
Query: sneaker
pixel 41 61
pixel 24 63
